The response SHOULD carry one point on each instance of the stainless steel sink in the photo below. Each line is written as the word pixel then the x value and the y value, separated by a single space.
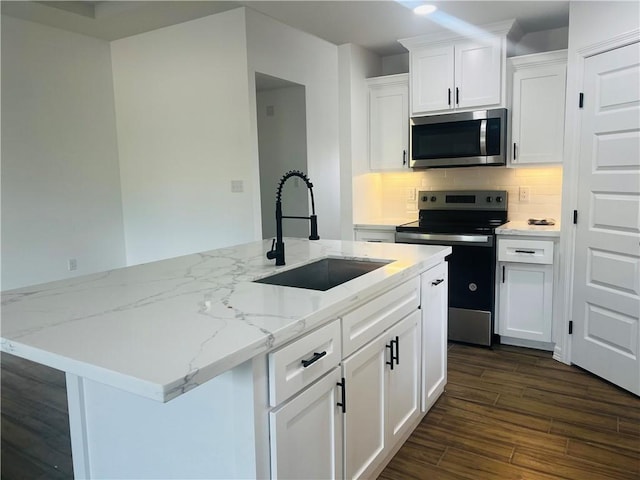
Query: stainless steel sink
pixel 324 274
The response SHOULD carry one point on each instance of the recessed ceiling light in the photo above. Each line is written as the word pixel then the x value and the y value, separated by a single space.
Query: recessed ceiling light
pixel 424 9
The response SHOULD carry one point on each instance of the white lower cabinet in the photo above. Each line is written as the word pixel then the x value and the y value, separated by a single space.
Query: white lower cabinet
pixel 525 289
pixel 382 395
pixel 434 295
pixel 525 308
pixel 330 421
pixel 306 433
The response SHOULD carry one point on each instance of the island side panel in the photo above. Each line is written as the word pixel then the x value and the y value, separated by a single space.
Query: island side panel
pixel 208 432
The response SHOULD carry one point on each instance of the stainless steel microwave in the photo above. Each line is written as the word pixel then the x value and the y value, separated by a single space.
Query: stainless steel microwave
pixel 459 139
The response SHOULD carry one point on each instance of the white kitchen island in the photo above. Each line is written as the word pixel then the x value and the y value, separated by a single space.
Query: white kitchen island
pixel 167 363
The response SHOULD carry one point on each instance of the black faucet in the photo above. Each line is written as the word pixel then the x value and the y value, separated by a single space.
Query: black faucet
pixel 277 246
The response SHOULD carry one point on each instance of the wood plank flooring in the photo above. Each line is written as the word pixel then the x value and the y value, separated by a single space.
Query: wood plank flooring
pixel 507 413
pixel 515 413
pixel 35 422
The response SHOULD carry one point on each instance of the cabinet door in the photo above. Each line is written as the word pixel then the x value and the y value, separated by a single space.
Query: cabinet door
pixel 364 420
pixel 403 385
pixel 306 433
pixel 525 304
pixel 478 74
pixel 432 79
pixel 434 333
pixel 538 115
pixel 389 125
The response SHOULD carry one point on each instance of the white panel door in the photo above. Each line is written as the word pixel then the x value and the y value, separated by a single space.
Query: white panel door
pixel 403 386
pixel 306 433
pixel 478 73
pixel 606 302
pixel 432 79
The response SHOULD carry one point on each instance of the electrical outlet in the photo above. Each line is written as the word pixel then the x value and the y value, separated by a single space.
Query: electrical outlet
pixel 525 194
pixel 73 264
pixel 411 194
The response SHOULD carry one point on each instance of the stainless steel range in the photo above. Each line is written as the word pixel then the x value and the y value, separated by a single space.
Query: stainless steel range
pixel 466 220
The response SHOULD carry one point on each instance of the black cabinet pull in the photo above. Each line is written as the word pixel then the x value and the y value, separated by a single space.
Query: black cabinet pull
pixel 404 157
pixel 391 357
pixel 397 340
pixel 314 359
pixel 437 282
pixel 343 404
pixel 449 97
pixel 457 96
pixel 502 273
pixel 514 151
pixel 526 251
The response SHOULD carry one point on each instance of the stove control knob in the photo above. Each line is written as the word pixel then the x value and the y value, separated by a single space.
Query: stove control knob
pixel 433 199
pixel 489 199
pixel 425 199
pixel 499 199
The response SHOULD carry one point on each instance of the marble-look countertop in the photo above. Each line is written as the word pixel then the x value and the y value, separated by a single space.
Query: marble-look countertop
pixel 523 228
pixel 162 328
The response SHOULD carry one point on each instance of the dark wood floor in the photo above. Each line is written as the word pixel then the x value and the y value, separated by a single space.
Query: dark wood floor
pixel 507 413
pixel 514 413
pixel 35 422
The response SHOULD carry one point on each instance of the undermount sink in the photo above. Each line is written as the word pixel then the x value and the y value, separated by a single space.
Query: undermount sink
pixel 323 274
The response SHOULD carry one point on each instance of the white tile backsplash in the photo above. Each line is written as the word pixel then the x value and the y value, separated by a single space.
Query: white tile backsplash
pixel 545 188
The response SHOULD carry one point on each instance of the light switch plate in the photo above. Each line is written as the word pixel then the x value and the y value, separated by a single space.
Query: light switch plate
pixel 237 186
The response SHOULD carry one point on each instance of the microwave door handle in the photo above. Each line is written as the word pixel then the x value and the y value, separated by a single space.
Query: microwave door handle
pixel 483 138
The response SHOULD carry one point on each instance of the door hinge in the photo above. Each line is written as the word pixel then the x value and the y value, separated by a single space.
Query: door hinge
pixel 581 100
pixel 570 327
pixel 575 217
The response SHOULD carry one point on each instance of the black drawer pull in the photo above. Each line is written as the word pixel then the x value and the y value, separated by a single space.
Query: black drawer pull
pixel 526 251
pixel 397 350
pixel 437 282
pixel 314 359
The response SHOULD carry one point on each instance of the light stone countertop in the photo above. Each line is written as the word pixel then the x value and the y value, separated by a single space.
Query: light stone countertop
pixel 523 228
pixel 162 328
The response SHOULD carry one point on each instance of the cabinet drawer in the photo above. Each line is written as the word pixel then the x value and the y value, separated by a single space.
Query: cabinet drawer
pixel 366 322
pixel 525 251
pixel 300 363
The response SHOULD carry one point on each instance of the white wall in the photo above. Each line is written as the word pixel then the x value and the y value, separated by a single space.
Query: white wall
pixel 182 109
pixel 60 179
pixel 282 133
pixel 543 41
pixel 283 52
pixel 356 65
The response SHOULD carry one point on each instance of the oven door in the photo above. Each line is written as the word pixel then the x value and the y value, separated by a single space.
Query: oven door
pixel 471 283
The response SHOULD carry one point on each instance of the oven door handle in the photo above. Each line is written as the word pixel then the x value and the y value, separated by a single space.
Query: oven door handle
pixel 434 238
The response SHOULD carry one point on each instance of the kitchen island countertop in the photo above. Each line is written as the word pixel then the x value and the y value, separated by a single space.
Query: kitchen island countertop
pixel 162 328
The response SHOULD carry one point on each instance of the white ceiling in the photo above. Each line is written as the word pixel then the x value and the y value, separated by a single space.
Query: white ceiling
pixel 375 25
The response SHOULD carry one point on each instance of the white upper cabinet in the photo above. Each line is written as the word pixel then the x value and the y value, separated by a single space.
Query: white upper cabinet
pixel 432 79
pixel 538 84
pixel 389 122
pixel 453 73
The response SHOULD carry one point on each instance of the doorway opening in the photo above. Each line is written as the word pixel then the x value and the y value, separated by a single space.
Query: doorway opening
pixel 282 146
